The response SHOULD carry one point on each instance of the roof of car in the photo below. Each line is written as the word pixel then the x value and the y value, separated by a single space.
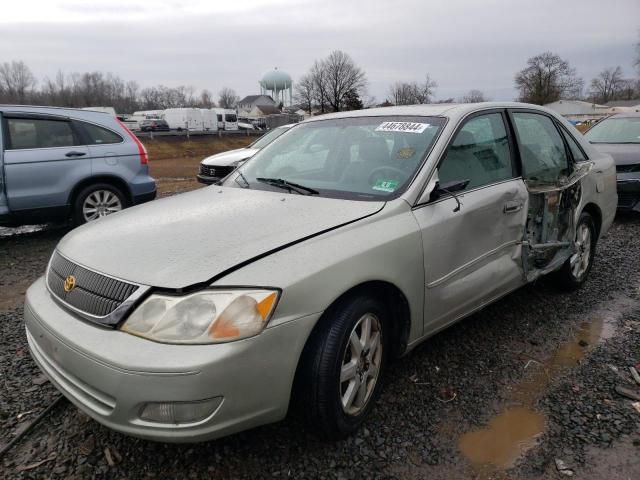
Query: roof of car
pixel 427 110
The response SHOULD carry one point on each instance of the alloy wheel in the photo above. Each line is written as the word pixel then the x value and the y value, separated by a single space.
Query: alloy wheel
pixel 100 203
pixel 581 259
pixel 361 364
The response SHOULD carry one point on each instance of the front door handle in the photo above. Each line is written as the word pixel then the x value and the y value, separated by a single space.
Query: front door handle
pixel 75 154
pixel 512 207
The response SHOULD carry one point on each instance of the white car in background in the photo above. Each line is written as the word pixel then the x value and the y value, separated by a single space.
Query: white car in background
pixel 218 166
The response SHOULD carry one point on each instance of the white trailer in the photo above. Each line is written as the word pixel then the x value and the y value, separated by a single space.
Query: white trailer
pixel 148 114
pixel 209 120
pixel 184 119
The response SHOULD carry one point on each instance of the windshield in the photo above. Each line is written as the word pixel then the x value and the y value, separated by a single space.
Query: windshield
pixel 230 117
pixel 267 138
pixel 615 130
pixel 362 158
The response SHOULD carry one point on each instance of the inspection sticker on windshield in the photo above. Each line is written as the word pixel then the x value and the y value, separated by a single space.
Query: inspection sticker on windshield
pixel 385 185
pixel 405 127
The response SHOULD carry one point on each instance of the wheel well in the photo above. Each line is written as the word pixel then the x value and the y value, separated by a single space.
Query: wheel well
pixel 595 212
pixel 115 181
pixel 392 297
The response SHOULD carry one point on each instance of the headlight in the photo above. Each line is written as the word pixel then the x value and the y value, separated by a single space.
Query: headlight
pixel 209 316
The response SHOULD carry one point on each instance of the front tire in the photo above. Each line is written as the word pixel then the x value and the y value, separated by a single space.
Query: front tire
pixel 344 363
pixel 576 269
pixel 98 200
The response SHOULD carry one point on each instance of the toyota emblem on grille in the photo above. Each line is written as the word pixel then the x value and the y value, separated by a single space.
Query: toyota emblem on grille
pixel 69 283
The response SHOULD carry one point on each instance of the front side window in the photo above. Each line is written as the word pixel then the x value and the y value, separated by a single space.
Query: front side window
pixel 479 153
pixel 362 158
pixel 615 130
pixel 231 117
pixel 99 136
pixel 544 157
pixel 39 133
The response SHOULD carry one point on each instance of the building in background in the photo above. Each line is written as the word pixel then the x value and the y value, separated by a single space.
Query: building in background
pixel 248 106
pixel 623 106
pixel 278 85
pixel 579 111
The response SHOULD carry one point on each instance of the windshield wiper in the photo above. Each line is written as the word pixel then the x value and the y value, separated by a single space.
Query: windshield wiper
pixel 282 183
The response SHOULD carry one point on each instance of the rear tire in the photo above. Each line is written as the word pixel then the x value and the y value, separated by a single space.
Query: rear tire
pixel 98 200
pixel 576 269
pixel 343 364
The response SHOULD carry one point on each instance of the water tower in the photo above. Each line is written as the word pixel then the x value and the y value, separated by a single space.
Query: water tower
pixel 279 85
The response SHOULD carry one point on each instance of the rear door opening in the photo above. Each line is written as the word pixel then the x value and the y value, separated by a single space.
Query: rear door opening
pixel 553 165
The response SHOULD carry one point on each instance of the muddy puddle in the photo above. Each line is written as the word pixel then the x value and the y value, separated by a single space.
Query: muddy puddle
pixel 515 430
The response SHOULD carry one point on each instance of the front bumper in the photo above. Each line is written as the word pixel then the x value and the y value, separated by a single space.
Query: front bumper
pixel 628 186
pixel 110 374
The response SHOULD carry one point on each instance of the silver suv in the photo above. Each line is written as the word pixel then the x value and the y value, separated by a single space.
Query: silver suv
pixel 57 163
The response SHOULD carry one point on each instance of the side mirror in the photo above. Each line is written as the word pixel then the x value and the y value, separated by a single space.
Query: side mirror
pixel 448 188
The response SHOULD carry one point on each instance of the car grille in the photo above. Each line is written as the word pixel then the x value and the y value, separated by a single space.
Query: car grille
pixel 628 168
pixel 94 294
pixel 215 171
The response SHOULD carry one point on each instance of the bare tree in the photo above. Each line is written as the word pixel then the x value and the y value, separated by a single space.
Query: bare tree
pixel 343 77
pixel 547 78
pixel 16 80
pixel 424 91
pixel 319 77
pixel 412 93
pixel 227 98
pixel 473 96
pixel 606 86
pixel 629 89
pixel 402 93
pixel 206 99
pixel 305 92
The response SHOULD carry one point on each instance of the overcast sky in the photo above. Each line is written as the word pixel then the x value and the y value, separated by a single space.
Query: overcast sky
pixel 211 43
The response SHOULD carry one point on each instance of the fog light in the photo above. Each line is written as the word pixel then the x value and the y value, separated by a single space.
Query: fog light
pixel 179 412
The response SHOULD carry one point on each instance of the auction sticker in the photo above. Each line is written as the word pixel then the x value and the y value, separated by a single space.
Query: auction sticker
pixel 385 185
pixel 404 127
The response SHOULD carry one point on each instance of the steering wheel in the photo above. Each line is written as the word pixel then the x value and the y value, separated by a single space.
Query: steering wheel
pixel 386 168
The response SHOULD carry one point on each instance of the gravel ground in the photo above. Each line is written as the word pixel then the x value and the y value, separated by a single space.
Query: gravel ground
pixel 457 382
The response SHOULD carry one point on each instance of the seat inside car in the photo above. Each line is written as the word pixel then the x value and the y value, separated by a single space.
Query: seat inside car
pixel 373 152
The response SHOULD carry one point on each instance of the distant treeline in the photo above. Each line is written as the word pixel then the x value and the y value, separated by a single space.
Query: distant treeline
pixel 91 89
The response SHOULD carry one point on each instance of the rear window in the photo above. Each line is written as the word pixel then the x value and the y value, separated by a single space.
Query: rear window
pixel 24 133
pixel 99 136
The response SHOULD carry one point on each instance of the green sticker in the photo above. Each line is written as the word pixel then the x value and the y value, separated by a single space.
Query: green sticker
pixel 385 185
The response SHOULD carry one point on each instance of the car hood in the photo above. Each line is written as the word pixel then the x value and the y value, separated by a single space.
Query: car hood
pixel 190 238
pixel 622 153
pixel 225 159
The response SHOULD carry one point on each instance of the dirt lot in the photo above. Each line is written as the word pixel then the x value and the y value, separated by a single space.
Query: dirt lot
pixel 174 162
pixel 502 395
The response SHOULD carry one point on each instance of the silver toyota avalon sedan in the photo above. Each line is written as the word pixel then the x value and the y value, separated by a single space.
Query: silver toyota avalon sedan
pixel 341 245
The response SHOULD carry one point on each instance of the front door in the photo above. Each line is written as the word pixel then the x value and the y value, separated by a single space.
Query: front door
pixel 472 255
